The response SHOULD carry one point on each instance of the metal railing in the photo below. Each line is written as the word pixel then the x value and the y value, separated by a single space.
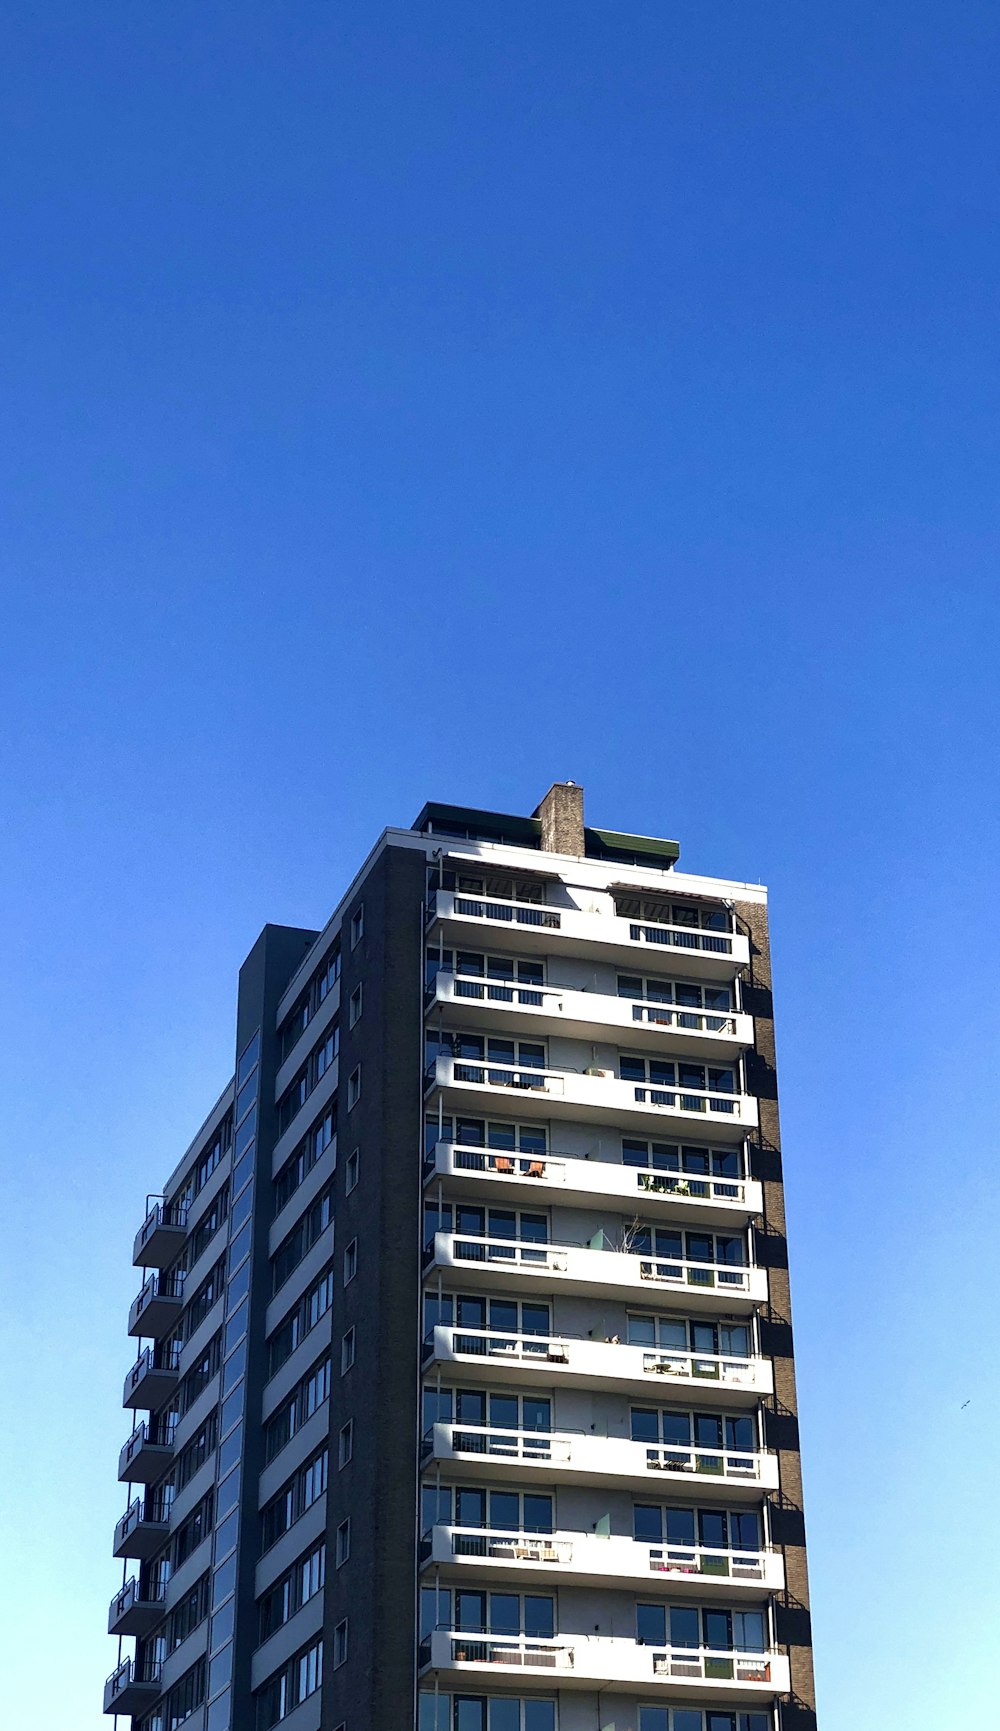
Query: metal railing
pixel 130 1595
pixel 681 938
pixel 494 907
pixel 733 1371
pixel 566 1168
pixel 556 1259
pixel 560 1447
pixel 517 1651
pixel 688 1100
pixel 508 1546
pixel 708 1663
pixel 145 1362
pixel 155 1435
pixel 163 1214
pixel 696 1021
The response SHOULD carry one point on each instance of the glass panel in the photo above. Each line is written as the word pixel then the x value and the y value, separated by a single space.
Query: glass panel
pixel 234 1367
pixel 651 1625
pixel 251 1052
pixel 539 1616
pixel 220 1670
pixel 680 1526
pixel 539 1716
pixel 505 1510
pixel 222 1624
pixel 218 1713
pixel 245 1099
pixel 236 1327
pixel 242 1171
pixel 225 1535
pixel 231 1450
pixel 537 1513
pixel 224 1581
pixel 240 1247
pixel 240 1210
pixel 238 1288
pixel 245 1134
pixel 647 1523
pixel 505 1614
pixel 684 1631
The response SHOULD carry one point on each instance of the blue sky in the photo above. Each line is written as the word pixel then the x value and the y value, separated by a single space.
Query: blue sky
pixel 431 402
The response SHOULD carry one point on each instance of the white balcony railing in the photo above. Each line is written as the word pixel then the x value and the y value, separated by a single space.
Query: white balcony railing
pixel 580 1268
pixel 589 1015
pixel 584 1362
pixel 598 931
pixel 591 1095
pixel 574 1179
pixel 595 1560
pixel 581 1456
pixel 583 1660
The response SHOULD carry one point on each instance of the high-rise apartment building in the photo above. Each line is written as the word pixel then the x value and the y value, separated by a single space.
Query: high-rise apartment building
pixel 465 1344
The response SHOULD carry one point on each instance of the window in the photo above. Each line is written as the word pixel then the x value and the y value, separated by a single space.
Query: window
pixel 340 1644
pixel 293 1499
pixel 320 1136
pixel 308 1002
pixel 304 1579
pixel 307 1076
pixel 343 1543
pixel 294 1412
pixel 294 1683
pixel 483 1058
pixel 347 1352
pixel 357 925
pixel 690 914
pixel 721 1631
pixel 498 1225
pixel 700 1339
pixel 700 1442
pixel 491 1510
pixel 355 1005
pixel 665 1073
pixel 345 1443
pixel 692 1162
pixel 353 1170
pixel 185 1616
pixel 488 1713
pixel 350 1261
pixel 307 1229
pixel 712 1258
pixel 185 1697
pixel 354 1088
pixel 683 1531
pixel 204 1165
pixel 292 1331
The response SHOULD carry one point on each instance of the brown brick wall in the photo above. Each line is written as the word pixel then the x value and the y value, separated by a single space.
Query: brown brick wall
pixel 781 1420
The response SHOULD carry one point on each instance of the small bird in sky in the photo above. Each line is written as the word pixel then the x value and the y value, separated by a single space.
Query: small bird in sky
pixel 964 1405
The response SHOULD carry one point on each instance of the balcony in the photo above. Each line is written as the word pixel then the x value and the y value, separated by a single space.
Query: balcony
pixel 161 1236
pixel 157 1306
pixel 133 1613
pixel 471 921
pixel 594 1016
pixel 147 1454
pixel 142 1529
pixel 588 1096
pixel 562 1361
pixel 578 1182
pixel 585 1560
pixel 151 1380
pixel 597 1661
pixel 618 1462
pixel 504 1264
pixel 130 1691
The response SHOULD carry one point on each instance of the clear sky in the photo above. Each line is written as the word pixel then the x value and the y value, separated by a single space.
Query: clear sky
pixel 432 401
